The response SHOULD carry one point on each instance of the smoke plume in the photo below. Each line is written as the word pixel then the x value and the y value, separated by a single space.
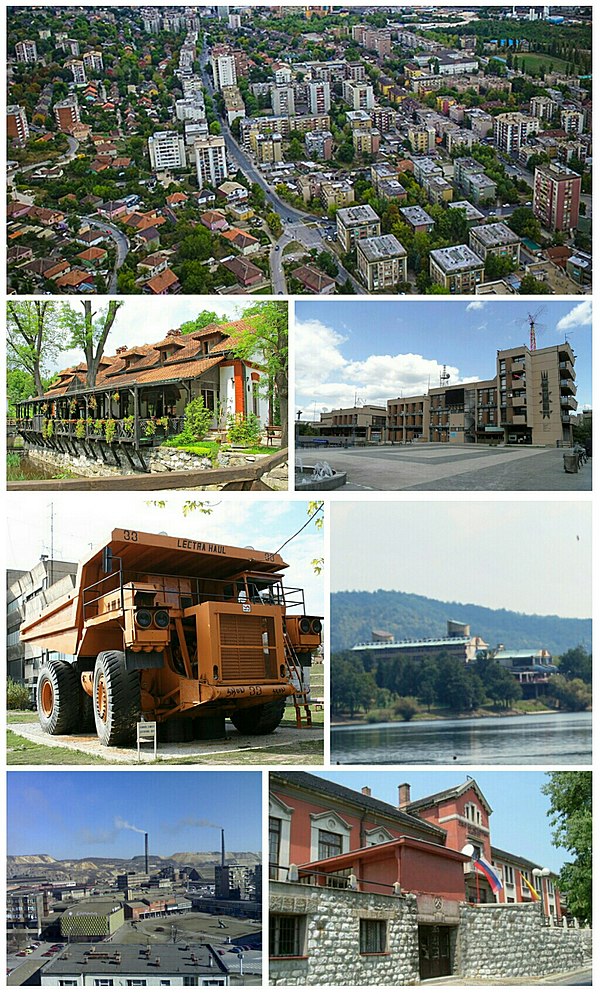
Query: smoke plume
pixel 121 823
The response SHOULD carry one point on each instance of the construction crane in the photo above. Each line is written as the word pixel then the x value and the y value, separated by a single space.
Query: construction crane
pixel 532 321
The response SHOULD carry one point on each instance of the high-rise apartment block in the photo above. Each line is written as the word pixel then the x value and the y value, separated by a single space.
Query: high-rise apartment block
pixel 26 51
pixel 556 195
pixel 211 160
pixel 358 95
pixel 167 151
pixel 319 96
pixel 282 100
pixel 512 130
pixel 67 113
pixel 224 69
pixel 16 123
pixel 93 61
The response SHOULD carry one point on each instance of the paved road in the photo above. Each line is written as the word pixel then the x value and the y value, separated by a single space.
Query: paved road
pixel 302 227
pixel 121 241
pixel 452 467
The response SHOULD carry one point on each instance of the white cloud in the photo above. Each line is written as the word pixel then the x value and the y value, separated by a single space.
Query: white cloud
pixel 476 305
pixel 326 379
pixel 577 317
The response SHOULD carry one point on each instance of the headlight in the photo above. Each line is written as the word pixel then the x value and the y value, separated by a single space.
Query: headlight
pixel 143 618
pixel 161 619
pixel 304 626
pixel 316 627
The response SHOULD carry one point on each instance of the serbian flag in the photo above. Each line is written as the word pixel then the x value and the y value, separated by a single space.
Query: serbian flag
pixel 530 887
pixel 489 872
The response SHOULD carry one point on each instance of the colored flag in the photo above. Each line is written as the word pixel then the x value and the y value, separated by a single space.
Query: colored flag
pixel 489 872
pixel 530 887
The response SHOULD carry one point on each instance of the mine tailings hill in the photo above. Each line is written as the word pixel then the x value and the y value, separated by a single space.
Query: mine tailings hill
pixel 356 613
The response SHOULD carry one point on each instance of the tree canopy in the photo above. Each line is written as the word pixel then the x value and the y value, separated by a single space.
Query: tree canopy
pixel 266 341
pixel 570 796
pixel 34 337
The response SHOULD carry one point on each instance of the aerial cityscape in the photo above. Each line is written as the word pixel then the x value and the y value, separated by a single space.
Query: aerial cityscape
pixel 318 150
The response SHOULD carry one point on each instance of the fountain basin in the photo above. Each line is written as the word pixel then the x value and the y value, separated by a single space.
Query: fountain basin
pixel 305 480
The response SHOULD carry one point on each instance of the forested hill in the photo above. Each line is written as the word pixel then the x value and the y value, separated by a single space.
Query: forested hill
pixel 355 613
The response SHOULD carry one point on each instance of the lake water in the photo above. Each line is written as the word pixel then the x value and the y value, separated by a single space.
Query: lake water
pixel 538 740
pixel 20 467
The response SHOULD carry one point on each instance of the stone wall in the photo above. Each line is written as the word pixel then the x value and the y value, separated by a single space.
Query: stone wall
pixel 331 938
pixel 490 942
pixel 512 941
pixel 158 460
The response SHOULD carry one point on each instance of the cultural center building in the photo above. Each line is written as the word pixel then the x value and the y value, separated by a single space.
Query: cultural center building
pixel 365 892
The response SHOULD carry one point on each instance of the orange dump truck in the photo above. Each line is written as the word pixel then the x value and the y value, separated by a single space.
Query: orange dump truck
pixel 177 631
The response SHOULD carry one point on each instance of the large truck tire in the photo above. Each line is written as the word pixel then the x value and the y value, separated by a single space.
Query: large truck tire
pixel 259 720
pixel 116 699
pixel 58 698
pixel 87 718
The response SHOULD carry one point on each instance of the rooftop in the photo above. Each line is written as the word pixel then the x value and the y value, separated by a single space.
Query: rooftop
pixel 456 258
pixel 495 234
pixel 381 247
pixel 471 211
pixel 456 640
pixel 416 215
pixel 357 215
pixel 116 958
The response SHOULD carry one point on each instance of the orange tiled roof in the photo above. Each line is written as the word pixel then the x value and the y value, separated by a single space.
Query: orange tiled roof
pixel 74 278
pixel 187 362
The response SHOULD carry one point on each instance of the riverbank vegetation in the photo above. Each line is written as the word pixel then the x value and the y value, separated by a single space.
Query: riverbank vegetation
pixel 397 689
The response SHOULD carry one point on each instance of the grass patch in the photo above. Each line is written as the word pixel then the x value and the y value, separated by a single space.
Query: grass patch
pixel 251 450
pixel 20 717
pixel 21 752
pixel 533 62
pixel 293 247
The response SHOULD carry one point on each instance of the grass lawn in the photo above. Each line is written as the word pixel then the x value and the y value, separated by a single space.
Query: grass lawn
pixel 533 62
pixel 293 247
pixel 20 717
pixel 21 752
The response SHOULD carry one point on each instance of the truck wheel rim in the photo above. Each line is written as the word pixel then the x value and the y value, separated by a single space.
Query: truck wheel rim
pixel 101 699
pixel 47 698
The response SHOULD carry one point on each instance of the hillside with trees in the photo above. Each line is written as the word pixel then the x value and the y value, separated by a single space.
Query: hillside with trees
pixel 355 614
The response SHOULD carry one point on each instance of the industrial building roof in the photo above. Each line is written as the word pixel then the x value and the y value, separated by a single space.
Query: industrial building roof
pixel 117 958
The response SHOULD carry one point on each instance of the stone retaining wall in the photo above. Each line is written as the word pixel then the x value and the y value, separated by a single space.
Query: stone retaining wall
pixel 159 460
pixel 512 941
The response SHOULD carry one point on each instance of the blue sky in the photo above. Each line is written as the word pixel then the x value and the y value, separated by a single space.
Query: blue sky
pixel 78 814
pixel 371 351
pixel 519 822
pixel 83 524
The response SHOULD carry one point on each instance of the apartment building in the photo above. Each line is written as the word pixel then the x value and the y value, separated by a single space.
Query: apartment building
pixel 366 141
pixel 421 140
pixel 319 145
pixel 572 120
pixel 93 61
pixel 67 113
pixel 334 193
pixel 211 160
pixel 268 148
pixel 283 100
pixel 234 103
pixel 513 129
pixel 381 262
pixel 542 106
pixel 78 72
pixel 530 400
pixel 458 268
pixel 496 239
pixel 167 151
pixel 556 196
pixel 17 127
pixel 417 218
pixel 25 908
pixel 224 70
pixel 354 223
pixel 26 51
pixel 119 964
pixel 319 96
pixel 358 95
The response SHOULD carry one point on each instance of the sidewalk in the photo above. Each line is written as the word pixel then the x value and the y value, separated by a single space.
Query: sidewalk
pixel 580 977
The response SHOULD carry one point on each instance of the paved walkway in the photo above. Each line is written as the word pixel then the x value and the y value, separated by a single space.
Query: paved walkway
pixel 431 466
pixel 285 738
pixel 581 977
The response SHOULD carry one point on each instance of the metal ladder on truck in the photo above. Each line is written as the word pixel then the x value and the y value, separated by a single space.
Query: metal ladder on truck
pixel 300 700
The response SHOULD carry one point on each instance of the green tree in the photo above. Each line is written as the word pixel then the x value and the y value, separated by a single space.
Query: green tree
pixel 500 685
pixel 89 331
pixel 35 336
pixel 17 695
pixel 198 419
pixel 576 664
pixel 265 340
pixel 204 319
pixel 529 285
pixel 570 796
pixel 571 695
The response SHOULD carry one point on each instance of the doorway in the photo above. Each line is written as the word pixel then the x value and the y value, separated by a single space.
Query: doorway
pixel 435 959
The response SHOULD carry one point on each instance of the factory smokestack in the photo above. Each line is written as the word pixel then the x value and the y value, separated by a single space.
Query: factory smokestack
pixel 146 852
pixel 222 847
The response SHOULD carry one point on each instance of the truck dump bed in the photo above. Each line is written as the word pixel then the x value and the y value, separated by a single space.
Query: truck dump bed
pixel 128 555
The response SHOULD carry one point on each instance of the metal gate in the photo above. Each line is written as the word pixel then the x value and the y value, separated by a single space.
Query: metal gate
pixel 434 951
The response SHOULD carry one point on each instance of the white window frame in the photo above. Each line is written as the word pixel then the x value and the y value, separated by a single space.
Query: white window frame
pixel 328 821
pixel 377 836
pixel 279 809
